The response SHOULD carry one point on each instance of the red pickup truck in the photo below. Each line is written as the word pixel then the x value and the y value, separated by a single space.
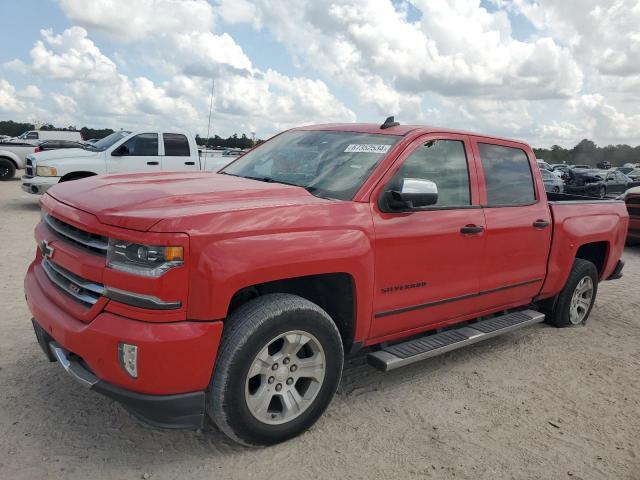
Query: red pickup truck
pixel 237 294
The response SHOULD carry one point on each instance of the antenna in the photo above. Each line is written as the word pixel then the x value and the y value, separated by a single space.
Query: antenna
pixel 213 83
pixel 389 122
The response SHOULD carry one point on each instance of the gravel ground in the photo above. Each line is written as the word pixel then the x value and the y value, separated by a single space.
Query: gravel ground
pixel 537 403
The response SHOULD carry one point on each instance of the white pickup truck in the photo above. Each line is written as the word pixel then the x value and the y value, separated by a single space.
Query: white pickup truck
pixel 12 157
pixel 121 152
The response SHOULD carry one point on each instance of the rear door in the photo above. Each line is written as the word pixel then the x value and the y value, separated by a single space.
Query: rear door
pixel 177 153
pixel 140 154
pixel 518 223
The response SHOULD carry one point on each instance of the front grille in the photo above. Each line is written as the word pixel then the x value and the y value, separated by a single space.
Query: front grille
pixel 85 291
pixel 87 240
pixel 28 168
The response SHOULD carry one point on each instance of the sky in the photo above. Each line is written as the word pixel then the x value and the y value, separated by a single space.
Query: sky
pixel 545 71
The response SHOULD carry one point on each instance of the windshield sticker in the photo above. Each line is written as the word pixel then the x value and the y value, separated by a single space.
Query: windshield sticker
pixel 367 148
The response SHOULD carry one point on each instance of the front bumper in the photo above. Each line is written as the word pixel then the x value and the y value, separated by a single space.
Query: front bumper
pixel 175 359
pixel 184 410
pixel 38 185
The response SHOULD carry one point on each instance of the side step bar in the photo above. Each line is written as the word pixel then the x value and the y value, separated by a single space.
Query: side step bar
pixel 405 353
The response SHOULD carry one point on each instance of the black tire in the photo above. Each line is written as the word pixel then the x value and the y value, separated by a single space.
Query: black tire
pixel 602 192
pixel 556 189
pixel 247 331
pixel 558 312
pixel 7 169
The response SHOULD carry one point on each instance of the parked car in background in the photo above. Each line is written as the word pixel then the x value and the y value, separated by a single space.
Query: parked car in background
pixel 35 136
pixel 12 158
pixel 232 152
pixel 597 183
pixel 604 165
pixel 625 170
pixel 57 145
pixel 552 183
pixel 121 152
pixel 236 295
pixel 546 167
pixel 634 174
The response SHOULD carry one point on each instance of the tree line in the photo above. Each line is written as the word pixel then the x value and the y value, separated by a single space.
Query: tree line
pixel 14 129
pixel 587 152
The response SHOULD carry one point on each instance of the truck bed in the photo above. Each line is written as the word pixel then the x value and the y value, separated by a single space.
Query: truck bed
pixel 577 221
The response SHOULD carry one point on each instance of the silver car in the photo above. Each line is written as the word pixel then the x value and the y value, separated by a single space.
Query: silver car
pixel 552 183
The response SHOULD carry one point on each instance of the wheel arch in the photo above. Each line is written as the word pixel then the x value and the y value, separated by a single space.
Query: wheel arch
pixel 76 176
pixel 7 156
pixel 335 293
pixel 596 253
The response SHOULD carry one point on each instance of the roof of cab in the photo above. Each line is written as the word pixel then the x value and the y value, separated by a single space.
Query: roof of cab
pixel 400 130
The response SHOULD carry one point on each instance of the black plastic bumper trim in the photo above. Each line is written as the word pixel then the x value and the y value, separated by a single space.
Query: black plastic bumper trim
pixel 183 410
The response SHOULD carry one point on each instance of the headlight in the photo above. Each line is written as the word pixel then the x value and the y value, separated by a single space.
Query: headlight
pixel 145 260
pixel 46 172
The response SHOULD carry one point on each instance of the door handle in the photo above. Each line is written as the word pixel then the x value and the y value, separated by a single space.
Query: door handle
pixel 152 163
pixel 189 163
pixel 540 224
pixel 471 230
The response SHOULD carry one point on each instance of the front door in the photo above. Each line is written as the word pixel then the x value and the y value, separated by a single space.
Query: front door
pixel 140 154
pixel 427 262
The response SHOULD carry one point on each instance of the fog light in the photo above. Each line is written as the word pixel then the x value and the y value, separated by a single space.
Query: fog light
pixel 128 355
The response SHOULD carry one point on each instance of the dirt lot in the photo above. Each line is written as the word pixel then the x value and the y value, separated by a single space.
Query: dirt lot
pixel 539 403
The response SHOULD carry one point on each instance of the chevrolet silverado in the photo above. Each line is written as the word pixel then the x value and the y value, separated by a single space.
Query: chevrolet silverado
pixel 237 294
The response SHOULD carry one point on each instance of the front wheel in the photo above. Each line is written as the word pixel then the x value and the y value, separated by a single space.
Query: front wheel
pixel 278 367
pixel 575 301
pixel 602 192
pixel 7 169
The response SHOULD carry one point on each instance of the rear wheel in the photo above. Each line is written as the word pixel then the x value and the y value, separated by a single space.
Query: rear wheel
pixel 602 192
pixel 7 169
pixel 278 367
pixel 556 189
pixel 574 303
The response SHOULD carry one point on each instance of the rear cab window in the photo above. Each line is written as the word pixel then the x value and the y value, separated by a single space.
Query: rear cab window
pixel 507 174
pixel 176 145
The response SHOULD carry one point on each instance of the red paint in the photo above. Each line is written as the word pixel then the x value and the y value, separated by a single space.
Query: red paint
pixel 238 232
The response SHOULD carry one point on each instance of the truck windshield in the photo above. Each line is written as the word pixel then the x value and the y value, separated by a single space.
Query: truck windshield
pixel 106 142
pixel 328 164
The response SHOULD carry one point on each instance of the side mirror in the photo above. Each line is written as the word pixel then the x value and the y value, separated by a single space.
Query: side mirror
pixel 120 151
pixel 415 193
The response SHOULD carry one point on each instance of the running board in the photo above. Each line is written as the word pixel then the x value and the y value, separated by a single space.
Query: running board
pixel 405 353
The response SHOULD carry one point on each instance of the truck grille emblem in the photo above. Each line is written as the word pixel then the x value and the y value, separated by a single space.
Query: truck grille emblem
pixel 47 251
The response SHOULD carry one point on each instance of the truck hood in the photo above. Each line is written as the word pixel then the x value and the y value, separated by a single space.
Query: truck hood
pixel 139 201
pixel 48 157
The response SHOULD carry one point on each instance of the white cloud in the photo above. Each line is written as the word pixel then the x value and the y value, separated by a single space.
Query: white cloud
pixel 70 55
pixel 9 102
pixel 126 21
pixel 31 92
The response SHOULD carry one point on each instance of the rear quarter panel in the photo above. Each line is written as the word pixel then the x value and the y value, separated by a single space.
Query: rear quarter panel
pixel 576 224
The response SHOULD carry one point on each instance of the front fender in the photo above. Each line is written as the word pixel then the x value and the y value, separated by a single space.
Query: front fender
pixel 226 266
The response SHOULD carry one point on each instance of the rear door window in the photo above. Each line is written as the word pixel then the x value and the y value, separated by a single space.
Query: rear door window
pixel 33 136
pixel 507 174
pixel 176 145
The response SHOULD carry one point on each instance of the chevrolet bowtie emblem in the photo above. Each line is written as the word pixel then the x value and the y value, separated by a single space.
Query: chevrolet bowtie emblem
pixel 47 251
